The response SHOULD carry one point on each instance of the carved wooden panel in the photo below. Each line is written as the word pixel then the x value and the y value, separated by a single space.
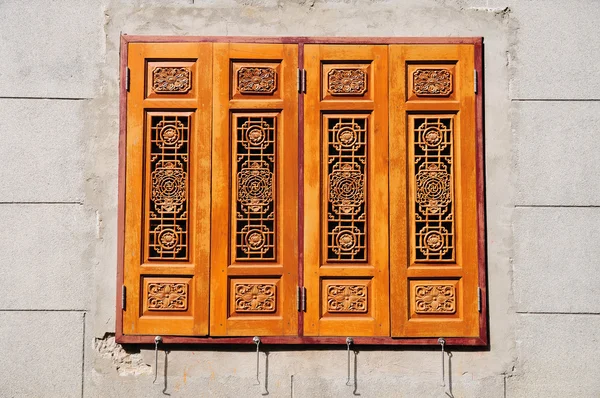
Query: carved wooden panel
pixel 255 80
pixel 167 296
pixel 347 81
pixel 435 299
pixel 171 79
pixel 255 297
pixel 346 298
pixel 346 184
pixel 433 216
pixel 167 202
pixel 432 81
pixel 255 179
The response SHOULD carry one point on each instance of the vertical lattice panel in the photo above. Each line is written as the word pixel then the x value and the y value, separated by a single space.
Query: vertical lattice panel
pixel 346 189
pixel 255 179
pixel 433 187
pixel 168 201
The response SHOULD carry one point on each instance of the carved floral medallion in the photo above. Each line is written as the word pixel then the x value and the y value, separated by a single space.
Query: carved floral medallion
pixel 251 297
pixel 347 298
pixel 435 299
pixel 347 81
pixel 171 80
pixel 259 80
pixel 167 296
pixel 432 82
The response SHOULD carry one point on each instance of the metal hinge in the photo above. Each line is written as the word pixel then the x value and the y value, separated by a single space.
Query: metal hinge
pixel 475 81
pixel 127 79
pixel 479 299
pixel 123 297
pixel 301 81
pixel 301 299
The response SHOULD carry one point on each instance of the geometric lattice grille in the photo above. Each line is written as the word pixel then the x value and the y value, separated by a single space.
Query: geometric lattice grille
pixel 346 189
pixel 255 180
pixel 433 182
pixel 168 202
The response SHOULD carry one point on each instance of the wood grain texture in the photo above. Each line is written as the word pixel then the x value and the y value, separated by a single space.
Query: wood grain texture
pixel 409 326
pixel 140 317
pixel 276 105
pixel 349 254
pixel 431 311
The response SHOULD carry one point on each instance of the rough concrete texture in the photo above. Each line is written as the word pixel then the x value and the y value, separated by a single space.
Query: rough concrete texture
pixel 42 353
pixel 554 45
pixel 50 48
pixel 556 259
pixel 66 253
pixel 558 356
pixel 47 265
pixel 42 150
pixel 556 145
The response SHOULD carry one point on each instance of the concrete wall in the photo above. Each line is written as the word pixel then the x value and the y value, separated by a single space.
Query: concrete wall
pixel 58 207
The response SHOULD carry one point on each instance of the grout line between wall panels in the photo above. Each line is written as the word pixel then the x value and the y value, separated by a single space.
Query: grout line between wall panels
pixel 39 310
pixel 555 99
pixel 559 206
pixel 555 313
pixel 49 98
pixel 41 203
pixel 83 359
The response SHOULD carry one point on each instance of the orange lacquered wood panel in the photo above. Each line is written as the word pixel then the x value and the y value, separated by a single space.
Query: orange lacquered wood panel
pixel 434 252
pixel 167 198
pixel 346 190
pixel 254 263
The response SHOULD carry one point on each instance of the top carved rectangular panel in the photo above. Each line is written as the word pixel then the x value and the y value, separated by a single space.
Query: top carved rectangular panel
pixel 431 82
pixel 346 82
pixel 173 79
pixel 253 80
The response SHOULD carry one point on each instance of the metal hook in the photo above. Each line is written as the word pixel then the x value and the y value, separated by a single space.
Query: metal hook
pixel 349 340
pixel 442 341
pixel 256 341
pixel 157 340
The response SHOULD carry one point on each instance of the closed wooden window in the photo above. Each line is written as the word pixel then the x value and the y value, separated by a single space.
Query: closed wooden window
pixel 306 191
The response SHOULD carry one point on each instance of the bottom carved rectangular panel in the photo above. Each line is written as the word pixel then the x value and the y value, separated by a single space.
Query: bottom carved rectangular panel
pixel 165 296
pixel 434 298
pixel 254 297
pixel 345 297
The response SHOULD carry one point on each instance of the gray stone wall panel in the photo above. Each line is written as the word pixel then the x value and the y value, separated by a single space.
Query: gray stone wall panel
pixel 42 151
pixel 50 49
pixel 556 259
pixel 557 152
pixel 45 259
pixel 41 354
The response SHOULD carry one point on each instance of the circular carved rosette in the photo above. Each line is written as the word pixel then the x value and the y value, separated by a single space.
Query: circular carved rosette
pixel 255 187
pixel 433 241
pixel 169 187
pixel 433 188
pixel 169 134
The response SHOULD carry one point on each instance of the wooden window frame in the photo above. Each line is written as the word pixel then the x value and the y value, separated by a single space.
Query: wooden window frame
pixel 481 341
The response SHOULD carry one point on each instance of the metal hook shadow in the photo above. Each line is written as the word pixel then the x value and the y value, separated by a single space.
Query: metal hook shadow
pixel 164 391
pixel 266 392
pixel 449 392
pixel 355 392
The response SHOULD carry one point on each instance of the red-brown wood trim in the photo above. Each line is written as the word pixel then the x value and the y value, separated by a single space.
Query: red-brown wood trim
pixel 481 341
pixel 480 175
pixel 121 194
pixel 333 341
pixel 302 39
pixel 301 189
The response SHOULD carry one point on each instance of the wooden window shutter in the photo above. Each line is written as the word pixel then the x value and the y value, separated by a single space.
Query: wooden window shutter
pixel 167 196
pixel 387 174
pixel 346 191
pixel 434 278
pixel 254 263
